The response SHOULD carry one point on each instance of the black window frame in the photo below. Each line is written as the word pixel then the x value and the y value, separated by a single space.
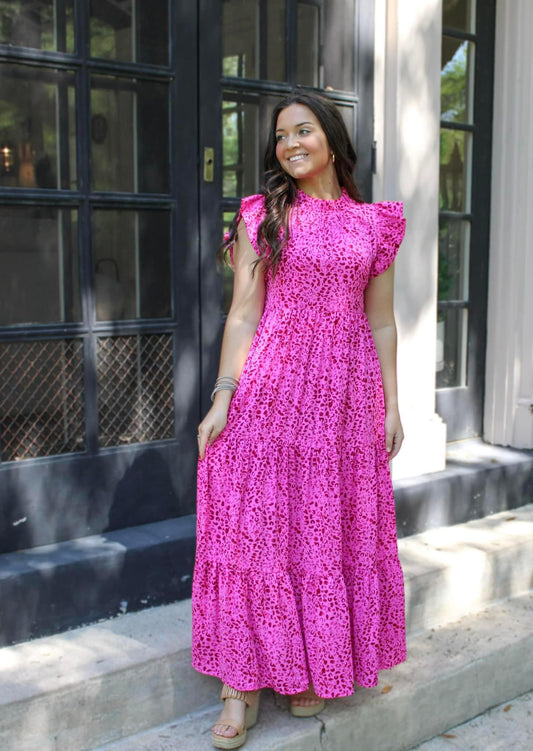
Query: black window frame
pixel 361 99
pixel 461 407
pixel 85 200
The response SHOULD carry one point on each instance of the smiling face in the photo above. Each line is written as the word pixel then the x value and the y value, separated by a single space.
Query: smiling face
pixel 302 148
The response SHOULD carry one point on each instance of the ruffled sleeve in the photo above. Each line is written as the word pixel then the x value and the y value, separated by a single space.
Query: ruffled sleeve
pixel 390 229
pixel 252 212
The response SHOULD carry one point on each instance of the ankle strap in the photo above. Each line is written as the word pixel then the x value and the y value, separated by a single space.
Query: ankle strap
pixel 232 693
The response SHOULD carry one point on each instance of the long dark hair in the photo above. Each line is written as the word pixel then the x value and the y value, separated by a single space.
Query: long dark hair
pixel 279 188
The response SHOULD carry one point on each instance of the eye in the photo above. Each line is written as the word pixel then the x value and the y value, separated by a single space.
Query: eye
pixel 304 131
pixel 279 137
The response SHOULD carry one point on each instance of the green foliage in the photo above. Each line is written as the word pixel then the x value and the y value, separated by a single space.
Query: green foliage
pixel 454 85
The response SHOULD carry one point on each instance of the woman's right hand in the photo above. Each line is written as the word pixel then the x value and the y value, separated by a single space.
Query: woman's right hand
pixel 212 425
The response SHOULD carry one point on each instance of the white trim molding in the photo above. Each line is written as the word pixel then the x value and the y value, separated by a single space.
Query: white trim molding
pixel 406 130
pixel 509 372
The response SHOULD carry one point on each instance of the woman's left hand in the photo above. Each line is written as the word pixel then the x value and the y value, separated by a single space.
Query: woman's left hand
pixel 393 432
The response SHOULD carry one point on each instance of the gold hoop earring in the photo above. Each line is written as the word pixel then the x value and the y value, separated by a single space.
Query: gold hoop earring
pixel 333 157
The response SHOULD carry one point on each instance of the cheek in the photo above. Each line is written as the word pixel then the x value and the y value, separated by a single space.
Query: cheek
pixel 319 148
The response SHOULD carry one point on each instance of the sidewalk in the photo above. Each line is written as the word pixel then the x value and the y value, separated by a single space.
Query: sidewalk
pixel 508 727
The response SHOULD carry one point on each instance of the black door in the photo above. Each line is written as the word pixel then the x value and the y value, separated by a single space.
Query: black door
pixel 128 132
pixel 99 303
pixel 266 48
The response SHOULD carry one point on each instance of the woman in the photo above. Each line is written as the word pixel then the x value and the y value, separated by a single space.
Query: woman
pixel 297 582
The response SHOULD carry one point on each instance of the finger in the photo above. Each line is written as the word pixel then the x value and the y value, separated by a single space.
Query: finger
pixel 206 435
pixel 396 445
pixel 202 440
pixel 213 434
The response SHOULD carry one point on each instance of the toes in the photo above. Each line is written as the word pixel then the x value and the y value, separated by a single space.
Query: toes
pixel 226 730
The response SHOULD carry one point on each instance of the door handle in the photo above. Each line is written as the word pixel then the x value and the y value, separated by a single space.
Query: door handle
pixel 209 164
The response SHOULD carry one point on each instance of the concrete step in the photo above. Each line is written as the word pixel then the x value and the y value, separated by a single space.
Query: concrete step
pixel 93 685
pixel 509 726
pixel 68 584
pixel 453 673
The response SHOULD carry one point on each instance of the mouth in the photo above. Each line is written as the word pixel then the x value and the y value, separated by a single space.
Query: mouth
pixel 297 158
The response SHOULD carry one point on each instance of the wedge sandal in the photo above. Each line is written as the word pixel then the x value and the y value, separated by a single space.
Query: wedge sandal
pixel 251 699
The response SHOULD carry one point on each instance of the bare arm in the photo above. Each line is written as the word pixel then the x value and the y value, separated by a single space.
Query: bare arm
pixel 241 324
pixel 379 302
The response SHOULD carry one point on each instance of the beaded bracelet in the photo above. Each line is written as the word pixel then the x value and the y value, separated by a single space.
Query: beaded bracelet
pixel 225 383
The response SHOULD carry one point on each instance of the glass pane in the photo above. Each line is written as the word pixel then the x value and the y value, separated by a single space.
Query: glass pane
pixel 240 132
pixel 130 135
pixel 45 25
pixel 339 49
pixel 37 128
pixel 455 170
pixel 253 39
pixel 457 80
pixel 459 14
pixel 42 410
pixel 227 272
pixel 273 68
pixel 131 31
pixel 131 251
pixel 245 123
pixel 307 52
pixel 452 337
pixel 39 262
pixel 135 389
pixel 454 259
pixel 348 115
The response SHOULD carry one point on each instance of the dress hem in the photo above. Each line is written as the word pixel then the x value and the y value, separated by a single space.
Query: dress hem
pixel 261 684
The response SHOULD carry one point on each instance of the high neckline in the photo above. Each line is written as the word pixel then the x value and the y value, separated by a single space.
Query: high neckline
pixel 306 197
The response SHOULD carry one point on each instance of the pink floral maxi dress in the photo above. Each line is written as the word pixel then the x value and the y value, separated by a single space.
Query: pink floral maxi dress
pixel 297 577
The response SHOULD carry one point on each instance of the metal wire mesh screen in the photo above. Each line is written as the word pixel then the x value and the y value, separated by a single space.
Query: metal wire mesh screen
pixel 41 399
pixel 135 394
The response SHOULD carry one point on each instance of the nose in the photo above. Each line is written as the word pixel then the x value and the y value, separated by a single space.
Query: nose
pixel 292 141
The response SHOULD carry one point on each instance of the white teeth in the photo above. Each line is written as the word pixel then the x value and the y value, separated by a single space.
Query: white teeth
pixel 297 157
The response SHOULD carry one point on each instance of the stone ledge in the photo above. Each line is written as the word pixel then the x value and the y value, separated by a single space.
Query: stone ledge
pixel 133 672
pixel 452 673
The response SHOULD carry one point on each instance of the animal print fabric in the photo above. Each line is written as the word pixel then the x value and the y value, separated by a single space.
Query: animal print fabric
pixel 297 577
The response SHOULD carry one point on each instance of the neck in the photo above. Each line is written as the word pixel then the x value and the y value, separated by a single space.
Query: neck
pixel 321 186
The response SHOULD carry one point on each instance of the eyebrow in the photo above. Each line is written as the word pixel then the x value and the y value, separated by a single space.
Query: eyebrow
pixel 298 125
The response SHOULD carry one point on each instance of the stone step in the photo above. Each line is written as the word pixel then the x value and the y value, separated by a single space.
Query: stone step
pixel 453 673
pixel 52 588
pixel 84 688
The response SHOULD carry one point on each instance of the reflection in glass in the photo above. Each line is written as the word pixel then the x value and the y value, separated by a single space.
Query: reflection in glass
pixel 37 128
pixel 245 123
pixel 131 251
pixel 130 31
pixel 39 262
pixel 348 115
pixel 452 337
pixel 455 170
pixel 43 25
pixel 454 259
pixel 253 39
pixel 227 272
pixel 273 68
pixel 307 53
pixel 130 150
pixel 457 80
pixel 339 33
pixel 459 14
pixel 239 134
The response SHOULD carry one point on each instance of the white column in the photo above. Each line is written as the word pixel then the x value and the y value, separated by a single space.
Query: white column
pixel 509 373
pixel 407 115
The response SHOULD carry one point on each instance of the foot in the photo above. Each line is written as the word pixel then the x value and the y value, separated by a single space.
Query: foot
pixel 231 718
pixel 306 698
